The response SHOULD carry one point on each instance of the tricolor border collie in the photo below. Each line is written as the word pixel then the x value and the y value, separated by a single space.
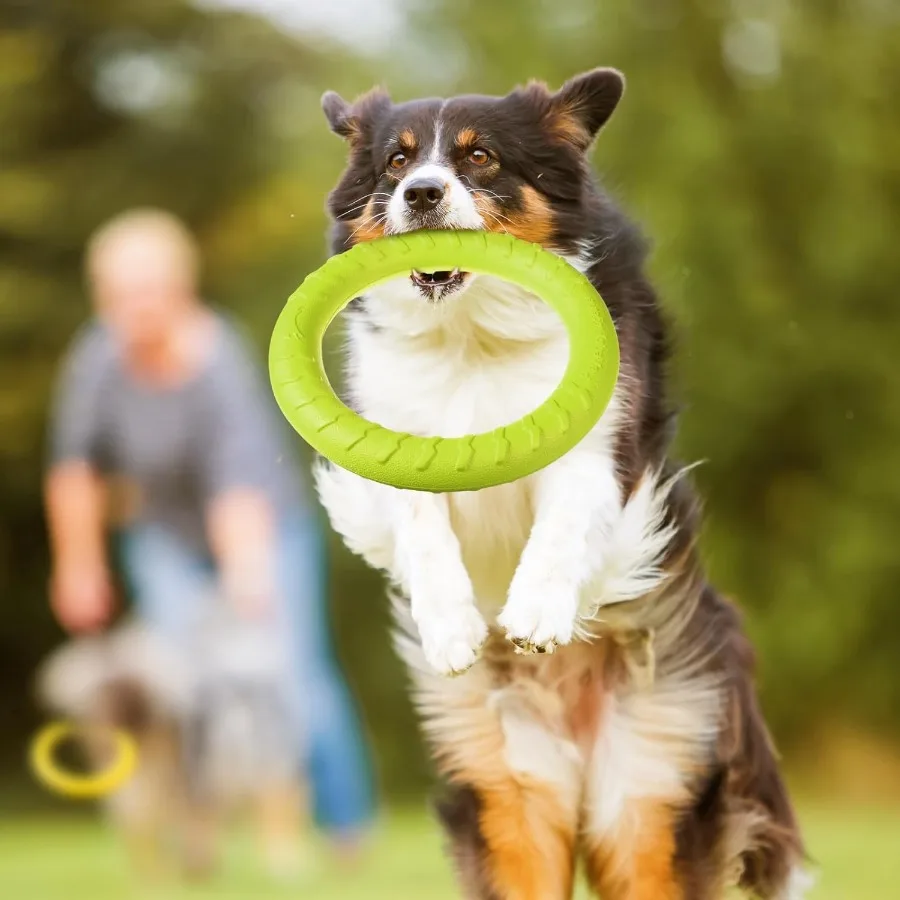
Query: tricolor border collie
pixel 638 746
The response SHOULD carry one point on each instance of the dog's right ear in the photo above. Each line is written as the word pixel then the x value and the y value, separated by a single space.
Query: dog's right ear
pixel 350 119
pixel 337 111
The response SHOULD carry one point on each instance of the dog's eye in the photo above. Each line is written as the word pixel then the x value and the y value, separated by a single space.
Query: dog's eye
pixel 479 157
pixel 398 160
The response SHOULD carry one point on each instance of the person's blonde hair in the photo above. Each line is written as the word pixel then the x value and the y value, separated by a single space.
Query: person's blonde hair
pixel 157 224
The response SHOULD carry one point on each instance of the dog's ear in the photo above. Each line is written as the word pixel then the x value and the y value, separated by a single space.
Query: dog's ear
pixel 583 105
pixel 350 120
pixel 337 111
pixel 356 122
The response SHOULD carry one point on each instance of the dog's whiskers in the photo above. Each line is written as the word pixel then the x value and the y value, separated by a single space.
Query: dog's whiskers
pixel 367 222
pixel 492 194
pixel 498 219
pixel 362 204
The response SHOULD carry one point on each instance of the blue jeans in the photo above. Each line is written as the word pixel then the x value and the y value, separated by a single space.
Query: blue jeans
pixel 170 584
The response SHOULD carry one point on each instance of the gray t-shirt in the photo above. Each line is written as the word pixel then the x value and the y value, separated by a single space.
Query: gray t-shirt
pixel 179 447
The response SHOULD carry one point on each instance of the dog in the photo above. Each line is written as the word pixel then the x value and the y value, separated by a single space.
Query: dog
pixel 212 731
pixel 638 746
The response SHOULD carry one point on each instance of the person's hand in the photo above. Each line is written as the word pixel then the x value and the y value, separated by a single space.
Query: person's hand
pixel 81 597
pixel 250 592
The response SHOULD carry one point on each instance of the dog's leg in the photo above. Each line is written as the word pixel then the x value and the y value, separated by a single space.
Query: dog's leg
pixel 430 565
pixel 358 511
pixel 142 814
pixel 655 749
pixel 280 814
pixel 199 835
pixel 637 861
pixel 409 535
pixel 572 500
pixel 513 809
pixel 145 850
pixel 513 841
pixel 140 810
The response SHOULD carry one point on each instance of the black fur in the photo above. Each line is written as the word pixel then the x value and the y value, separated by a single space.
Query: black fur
pixel 459 811
pixel 698 836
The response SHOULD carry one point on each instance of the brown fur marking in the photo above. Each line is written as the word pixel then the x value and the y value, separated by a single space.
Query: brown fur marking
pixel 564 125
pixel 467 138
pixel 640 864
pixel 533 222
pixel 530 842
pixel 407 140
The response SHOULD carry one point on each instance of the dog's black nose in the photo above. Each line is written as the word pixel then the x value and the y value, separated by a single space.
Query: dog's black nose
pixel 423 194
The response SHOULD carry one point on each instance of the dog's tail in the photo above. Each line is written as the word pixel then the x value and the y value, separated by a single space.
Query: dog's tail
pixel 772 862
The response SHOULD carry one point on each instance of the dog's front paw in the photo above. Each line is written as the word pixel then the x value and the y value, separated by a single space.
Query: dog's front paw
pixel 451 640
pixel 540 614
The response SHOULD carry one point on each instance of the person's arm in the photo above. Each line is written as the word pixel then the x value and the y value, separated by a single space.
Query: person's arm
pixel 241 533
pixel 240 515
pixel 80 586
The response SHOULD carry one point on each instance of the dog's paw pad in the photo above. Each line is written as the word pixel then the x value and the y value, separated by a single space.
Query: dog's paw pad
pixel 526 646
pixel 539 618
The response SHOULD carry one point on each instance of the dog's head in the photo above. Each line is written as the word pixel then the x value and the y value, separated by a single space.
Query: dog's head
pixel 515 164
pixel 125 678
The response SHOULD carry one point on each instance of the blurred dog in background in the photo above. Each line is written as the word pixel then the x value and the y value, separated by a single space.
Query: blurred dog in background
pixel 211 724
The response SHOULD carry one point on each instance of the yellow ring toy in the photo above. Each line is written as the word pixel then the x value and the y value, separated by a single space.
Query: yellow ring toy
pixel 80 787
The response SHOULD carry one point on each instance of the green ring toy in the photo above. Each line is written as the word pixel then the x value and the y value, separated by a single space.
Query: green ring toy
pixel 434 463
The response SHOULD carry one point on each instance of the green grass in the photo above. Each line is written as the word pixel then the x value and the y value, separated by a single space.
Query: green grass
pixel 45 858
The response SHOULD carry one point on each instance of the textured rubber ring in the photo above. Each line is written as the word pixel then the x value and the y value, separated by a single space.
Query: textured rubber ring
pixel 435 463
pixel 49 773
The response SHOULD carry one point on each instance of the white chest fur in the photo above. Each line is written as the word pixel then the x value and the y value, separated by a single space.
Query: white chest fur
pixel 473 364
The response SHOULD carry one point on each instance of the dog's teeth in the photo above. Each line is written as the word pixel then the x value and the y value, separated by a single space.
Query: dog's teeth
pixel 454 273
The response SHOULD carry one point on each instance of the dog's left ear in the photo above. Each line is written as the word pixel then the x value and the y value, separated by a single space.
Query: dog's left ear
pixel 583 105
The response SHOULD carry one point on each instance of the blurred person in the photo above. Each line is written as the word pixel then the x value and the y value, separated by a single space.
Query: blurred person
pixel 160 404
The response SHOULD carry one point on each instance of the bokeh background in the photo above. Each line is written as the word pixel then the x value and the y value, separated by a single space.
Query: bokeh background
pixel 759 144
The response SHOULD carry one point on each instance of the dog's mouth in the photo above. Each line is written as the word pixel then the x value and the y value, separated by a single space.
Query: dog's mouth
pixel 438 284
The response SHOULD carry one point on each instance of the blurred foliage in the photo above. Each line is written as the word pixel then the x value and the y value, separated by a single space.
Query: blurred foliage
pixel 758 143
